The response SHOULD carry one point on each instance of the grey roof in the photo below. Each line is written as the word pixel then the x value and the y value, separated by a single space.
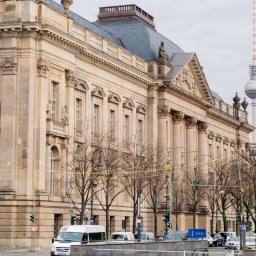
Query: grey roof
pixel 178 61
pixel 139 38
pixel 85 23
pixel 216 95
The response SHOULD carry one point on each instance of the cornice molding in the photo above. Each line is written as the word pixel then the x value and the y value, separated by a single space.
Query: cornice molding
pixel 70 43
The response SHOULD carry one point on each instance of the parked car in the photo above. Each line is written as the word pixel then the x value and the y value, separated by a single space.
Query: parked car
pixel 176 235
pixel 209 238
pixel 233 243
pixel 218 240
pixel 121 236
pixel 227 235
pixel 145 236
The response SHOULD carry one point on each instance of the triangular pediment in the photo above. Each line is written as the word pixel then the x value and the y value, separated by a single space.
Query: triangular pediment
pixel 114 98
pixel 128 103
pixel 98 92
pixel 141 109
pixel 81 85
pixel 187 74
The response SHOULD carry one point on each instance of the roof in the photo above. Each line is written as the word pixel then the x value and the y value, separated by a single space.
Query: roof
pixel 139 38
pixel 87 24
pixel 216 95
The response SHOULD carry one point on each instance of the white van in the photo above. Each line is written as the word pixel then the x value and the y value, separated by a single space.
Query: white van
pixel 75 235
pixel 121 236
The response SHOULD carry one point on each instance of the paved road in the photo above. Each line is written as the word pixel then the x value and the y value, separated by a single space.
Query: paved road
pixel 5 251
pixel 44 251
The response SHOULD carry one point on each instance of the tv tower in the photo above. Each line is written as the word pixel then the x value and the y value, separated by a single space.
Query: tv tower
pixel 250 87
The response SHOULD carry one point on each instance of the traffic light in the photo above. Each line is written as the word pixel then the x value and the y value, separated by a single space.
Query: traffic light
pixel 238 218
pixel 165 217
pixel 196 184
pixel 73 220
pixel 32 218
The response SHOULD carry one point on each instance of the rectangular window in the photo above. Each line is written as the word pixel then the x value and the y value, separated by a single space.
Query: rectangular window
pixel 96 119
pixel 126 127
pixel 140 132
pixel 112 123
pixel 78 113
pixel 54 100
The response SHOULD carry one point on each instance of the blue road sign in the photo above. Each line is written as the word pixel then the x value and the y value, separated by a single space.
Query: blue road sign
pixel 196 232
pixel 241 226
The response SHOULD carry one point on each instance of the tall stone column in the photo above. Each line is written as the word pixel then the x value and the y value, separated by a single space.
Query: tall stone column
pixel 41 115
pixel 163 112
pixel 9 123
pixel 152 116
pixel 191 153
pixel 203 157
pixel 177 118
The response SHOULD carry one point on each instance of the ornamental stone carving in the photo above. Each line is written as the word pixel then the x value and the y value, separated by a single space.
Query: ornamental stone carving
pixel 218 137
pixel 49 112
pixel 66 4
pixel 9 66
pixel 226 140
pixel 42 68
pixel 202 127
pixel 163 110
pixel 70 78
pixel 232 143
pixel 64 118
pixel 163 58
pixel 191 122
pixel 211 135
pixel 177 117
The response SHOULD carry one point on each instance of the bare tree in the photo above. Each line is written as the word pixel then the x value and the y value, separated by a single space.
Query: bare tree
pixel 194 192
pixel 156 182
pixel 178 195
pixel 108 175
pixel 226 179
pixel 137 159
pixel 81 166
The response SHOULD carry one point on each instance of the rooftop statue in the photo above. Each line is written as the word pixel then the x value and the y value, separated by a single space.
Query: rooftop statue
pixel 163 58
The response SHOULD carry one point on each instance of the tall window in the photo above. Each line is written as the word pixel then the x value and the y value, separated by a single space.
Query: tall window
pixel 112 123
pixel 140 132
pixel 78 113
pixel 54 100
pixel 52 172
pixel 96 119
pixel 126 127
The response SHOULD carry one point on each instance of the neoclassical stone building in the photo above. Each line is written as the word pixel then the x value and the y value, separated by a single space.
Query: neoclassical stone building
pixel 60 72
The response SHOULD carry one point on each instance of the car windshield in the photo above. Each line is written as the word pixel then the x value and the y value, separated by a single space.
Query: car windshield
pixel 143 236
pixel 250 239
pixel 217 236
pixel 117 237
pixel 70 236
pixel 176 235
pixel 234 239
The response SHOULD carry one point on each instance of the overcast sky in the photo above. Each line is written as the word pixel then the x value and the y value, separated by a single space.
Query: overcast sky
pixel 219 31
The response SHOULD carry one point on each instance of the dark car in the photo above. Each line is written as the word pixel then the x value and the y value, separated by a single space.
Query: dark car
pixel 218 240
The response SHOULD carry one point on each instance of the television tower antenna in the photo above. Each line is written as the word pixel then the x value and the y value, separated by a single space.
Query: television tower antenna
pixel 250 87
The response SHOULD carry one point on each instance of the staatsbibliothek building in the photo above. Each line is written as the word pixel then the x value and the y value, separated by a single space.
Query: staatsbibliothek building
pixel 60 72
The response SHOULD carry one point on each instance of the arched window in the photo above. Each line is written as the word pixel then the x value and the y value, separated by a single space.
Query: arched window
pixel 52 172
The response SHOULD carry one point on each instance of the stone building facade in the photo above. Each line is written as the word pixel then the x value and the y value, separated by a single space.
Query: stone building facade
pixel 60 72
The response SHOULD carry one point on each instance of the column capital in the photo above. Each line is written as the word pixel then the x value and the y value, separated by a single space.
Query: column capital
pixel 163 110
pixel 9 65
pixel 42 68
pixel 70 78
pixel 177 117
pixel 202 127
pixel 191 122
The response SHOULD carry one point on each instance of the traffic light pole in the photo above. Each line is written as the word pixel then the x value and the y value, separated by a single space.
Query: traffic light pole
pixel 170 216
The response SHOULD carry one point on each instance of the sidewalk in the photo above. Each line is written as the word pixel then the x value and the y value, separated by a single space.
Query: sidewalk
pixel 24 251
